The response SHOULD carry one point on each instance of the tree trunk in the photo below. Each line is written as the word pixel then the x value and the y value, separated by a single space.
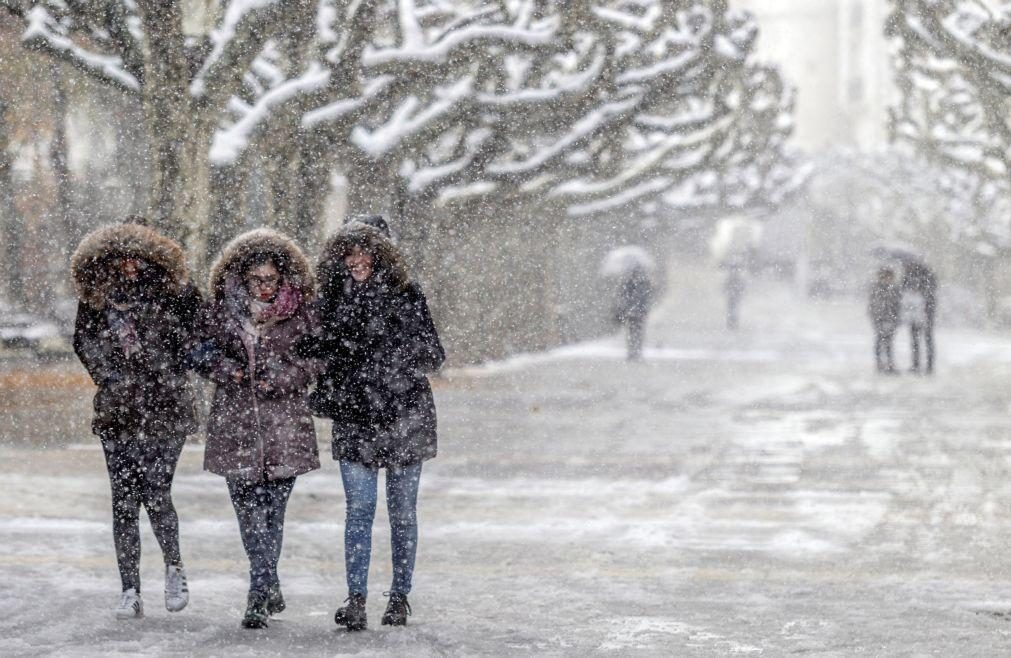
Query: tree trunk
pixel 180 131
pixel 415 227
pixel 313 178
pixel 987 268
pixel 179 201
pixel 65 221
pixel 371 188
pixel 11 222
pixel 227 213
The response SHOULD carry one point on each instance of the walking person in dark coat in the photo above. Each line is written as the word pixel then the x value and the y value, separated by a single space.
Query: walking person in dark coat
pixel 635 296
pixel 378 342
pixel 734 288
pixel 914 314
pixel 919 281
pixel 133 329
pixel 260 435
pixel 884 307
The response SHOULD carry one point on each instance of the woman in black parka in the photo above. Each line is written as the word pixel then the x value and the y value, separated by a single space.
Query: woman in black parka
pixel 378 342
pixel 133 330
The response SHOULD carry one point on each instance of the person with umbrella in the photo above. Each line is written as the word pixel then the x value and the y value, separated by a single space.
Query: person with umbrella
pixel 635 293
pixel 919 286
pixel 734 287
pixel 918 293
pixel 883 308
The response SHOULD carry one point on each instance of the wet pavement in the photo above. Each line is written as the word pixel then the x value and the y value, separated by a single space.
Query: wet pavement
pixel 758 493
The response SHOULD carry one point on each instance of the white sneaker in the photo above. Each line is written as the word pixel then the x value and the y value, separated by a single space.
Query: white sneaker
pixel 130 605
pixel 177 594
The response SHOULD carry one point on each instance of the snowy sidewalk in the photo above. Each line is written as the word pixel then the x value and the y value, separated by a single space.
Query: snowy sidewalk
pixel 758 494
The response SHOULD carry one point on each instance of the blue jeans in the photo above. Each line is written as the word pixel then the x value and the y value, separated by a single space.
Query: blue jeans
pixel 360 491
pixel 260 507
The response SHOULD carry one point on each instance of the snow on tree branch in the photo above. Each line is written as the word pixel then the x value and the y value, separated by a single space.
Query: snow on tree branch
pixel 243 32
pixel 596 104
pixel 344 107
pixel 230 142
pixel 45 34
pixel 410 118
pixel 952 68
pixel 418 52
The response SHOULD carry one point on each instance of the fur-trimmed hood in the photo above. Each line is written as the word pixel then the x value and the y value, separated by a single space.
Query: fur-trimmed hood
pixel 389 262
pixel 91 265
pixel 291 262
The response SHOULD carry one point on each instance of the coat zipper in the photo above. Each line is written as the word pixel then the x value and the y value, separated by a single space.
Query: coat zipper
pixel 261 457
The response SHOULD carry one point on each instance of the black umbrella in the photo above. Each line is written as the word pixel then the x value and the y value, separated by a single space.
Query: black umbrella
pixel 916 274
pixel 896 251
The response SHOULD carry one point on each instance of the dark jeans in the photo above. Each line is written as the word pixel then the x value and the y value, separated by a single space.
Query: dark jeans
pixel 732 312
pixel 360 492
pixel 636 335
pixel 259 508
pixel 883 351
pixel 140 472
pixel 926 332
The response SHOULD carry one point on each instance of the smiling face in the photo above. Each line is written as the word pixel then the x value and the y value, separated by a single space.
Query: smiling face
pixel 130 267
pixel 360 263
pixel 262 281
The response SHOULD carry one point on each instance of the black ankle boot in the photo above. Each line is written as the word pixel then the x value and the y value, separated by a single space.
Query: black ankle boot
pixel 352 616
pixel 275 600
pixel 256 611
pixel 397 610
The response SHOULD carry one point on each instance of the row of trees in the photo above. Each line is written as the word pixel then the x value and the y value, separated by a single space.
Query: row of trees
pixel 587 106
pixel 953 67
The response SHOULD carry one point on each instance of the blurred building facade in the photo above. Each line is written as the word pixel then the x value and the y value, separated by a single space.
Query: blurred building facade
pixel 835 54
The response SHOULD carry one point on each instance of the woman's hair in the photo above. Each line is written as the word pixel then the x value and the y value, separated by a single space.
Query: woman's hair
pixel 258 258
pixel 387 261
pixel 256 247
pixel 151 274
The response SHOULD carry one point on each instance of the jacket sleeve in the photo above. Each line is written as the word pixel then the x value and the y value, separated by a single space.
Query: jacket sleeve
pixel 188 309
pixel 290 373
pixel 417 346
pixel 205 354
pixel 190 306
pixel 335 341
pixel 98 359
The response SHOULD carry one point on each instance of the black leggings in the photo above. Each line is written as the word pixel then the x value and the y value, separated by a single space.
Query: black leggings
pixel 883 350
pixel 636 334
pixel 925 331
pixel 140 472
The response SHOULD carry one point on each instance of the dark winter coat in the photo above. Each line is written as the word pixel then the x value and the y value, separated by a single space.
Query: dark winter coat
pixel 140 371
pixel 253 433
pixel 635 296
pixel 884 306
pixel 918 277
pixel 734 285
pixel 378 342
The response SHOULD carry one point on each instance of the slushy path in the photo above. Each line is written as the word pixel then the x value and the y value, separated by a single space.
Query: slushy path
pixel 759 494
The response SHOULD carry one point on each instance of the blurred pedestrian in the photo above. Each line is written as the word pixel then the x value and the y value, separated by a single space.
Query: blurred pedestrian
pixel 734 287
pixel 920 283
pixel 635 297
pixel 914 315
pixel 884 308
pixel 378 342
pixel 133 330
pixel 260 434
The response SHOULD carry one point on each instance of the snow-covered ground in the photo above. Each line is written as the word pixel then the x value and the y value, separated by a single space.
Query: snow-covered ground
pixel 759 494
